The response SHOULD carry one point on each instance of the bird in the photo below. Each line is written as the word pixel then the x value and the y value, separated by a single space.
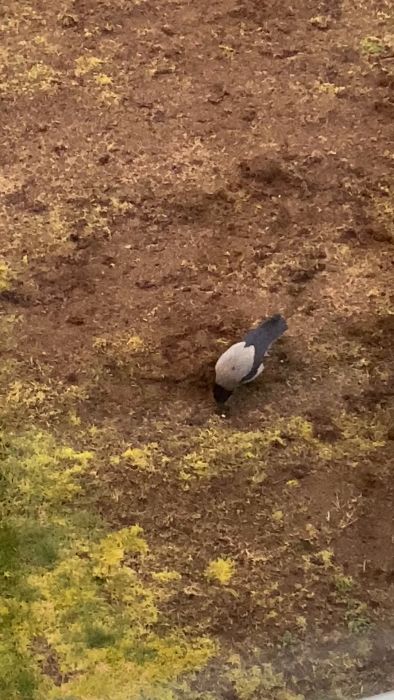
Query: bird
pixel 243 362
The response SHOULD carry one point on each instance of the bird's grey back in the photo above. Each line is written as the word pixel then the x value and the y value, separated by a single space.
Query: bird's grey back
pixel 264 335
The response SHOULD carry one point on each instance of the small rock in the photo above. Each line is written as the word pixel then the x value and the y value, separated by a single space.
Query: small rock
pixel 316 156
pixel 75 320
pixel 217 94
pixel 322 22
pixel 249 115
pixel 103 160
pixel 158 115
pixel 144 104
pixel 68 21
pixel 38 207
pixel 145 284
pixel 294 289
pixel 286 53
pixel 60 148
pixel 162 70
pixel 380 234
pixel 169 31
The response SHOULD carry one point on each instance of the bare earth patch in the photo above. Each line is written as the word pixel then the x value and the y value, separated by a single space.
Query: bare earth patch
pixel 171 172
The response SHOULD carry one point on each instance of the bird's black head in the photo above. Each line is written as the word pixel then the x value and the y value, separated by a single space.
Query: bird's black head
pixel 221 394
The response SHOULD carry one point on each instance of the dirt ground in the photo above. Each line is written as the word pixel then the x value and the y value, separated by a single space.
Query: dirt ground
pixel 172 172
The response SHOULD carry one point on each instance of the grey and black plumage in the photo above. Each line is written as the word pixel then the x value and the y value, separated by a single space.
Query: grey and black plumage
pixel 243 361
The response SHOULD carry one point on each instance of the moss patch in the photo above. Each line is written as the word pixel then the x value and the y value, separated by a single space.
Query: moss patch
pixel 69 599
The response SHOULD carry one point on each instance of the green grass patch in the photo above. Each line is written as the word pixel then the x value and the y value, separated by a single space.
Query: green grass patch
pixel 373 46
pixel 76 618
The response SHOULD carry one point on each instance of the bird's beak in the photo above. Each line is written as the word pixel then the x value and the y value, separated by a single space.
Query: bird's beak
pixel 222 410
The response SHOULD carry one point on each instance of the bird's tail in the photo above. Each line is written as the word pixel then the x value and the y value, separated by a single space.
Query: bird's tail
pixel 274 327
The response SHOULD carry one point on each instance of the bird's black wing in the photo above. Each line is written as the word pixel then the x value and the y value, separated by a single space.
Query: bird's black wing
pixel 262 338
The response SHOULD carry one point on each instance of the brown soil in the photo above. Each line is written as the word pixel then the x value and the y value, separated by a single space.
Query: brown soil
pixel 225 161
